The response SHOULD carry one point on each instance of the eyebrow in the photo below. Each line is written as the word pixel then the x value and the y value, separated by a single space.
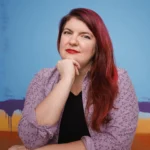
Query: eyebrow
pixel 80 32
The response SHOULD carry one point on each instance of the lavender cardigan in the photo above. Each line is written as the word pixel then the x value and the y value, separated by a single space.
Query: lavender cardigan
pixel 118 134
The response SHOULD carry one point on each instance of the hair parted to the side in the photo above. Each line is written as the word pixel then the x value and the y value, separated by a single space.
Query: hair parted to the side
pixel 103 87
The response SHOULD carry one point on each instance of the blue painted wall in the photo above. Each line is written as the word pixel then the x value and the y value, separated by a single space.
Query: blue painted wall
pixel 28 35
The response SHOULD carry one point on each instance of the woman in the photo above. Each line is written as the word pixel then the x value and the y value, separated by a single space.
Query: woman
pixel 85 102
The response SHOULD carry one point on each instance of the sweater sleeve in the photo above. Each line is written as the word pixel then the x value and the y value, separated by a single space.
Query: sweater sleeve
pixel 32 134
pixel 119 133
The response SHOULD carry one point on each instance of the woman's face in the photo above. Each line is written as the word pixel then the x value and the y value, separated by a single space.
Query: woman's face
pixel 77 42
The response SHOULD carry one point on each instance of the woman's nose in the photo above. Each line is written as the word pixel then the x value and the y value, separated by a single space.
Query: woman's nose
pixel 73 40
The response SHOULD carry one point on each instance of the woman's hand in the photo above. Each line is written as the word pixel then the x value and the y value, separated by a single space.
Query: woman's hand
pixel 18 147
pixel 68 68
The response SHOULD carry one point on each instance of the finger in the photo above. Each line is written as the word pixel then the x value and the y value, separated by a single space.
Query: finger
pixel 14 147
pixel 21 147
pixel 77 71
pixel 76 64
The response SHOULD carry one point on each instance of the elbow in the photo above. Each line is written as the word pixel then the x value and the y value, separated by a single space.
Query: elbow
pixel 27 137
pixel 29 141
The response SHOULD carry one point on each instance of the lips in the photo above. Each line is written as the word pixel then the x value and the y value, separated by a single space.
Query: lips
pixel 72 51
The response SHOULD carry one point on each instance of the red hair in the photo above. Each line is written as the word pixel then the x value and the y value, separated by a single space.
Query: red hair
pixel 103 87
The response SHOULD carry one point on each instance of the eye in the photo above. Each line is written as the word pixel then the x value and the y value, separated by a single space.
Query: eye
pixel 86 36
pixel 66 32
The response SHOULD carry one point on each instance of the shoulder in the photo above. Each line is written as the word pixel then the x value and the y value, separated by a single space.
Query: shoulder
pixel 121 72
pixel 123 76
pixel 46 75
pixel 45 72
pixel 126 89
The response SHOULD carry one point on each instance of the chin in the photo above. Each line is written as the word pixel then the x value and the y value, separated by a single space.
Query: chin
pixel 69 57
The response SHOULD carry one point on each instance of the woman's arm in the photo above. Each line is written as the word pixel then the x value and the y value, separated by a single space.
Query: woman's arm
pixel 32 130
pixel 31 133
pixel 41 114
pixel 77 145
pixel 49 110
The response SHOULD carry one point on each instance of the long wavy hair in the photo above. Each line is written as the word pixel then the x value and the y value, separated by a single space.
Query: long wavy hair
pixel 103 87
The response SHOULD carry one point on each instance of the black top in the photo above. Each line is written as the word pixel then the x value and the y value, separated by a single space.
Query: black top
pixel 73 125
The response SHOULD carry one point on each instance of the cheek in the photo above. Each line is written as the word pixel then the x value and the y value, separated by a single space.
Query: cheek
pixel 61 46
pixel 63 41
pixel 60 49
pixel 93 51
pixel 89 50
pixel 91 54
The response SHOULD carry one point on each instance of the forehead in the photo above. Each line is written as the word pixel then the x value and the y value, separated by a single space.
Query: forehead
pixel 77 25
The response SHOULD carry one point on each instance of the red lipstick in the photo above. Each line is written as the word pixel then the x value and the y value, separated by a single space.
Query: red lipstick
pixel 72 51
